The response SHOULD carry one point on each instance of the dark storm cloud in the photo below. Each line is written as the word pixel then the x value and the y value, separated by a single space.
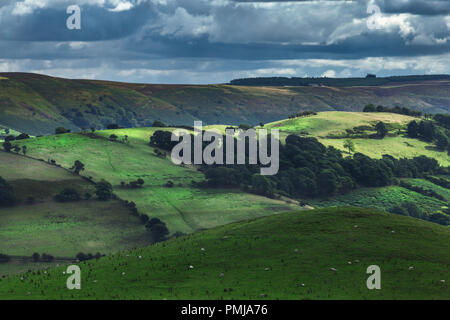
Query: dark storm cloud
pixel 49 24
pixel 419 7
pixel 153 38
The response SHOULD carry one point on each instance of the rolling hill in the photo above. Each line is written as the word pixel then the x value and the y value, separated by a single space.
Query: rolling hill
pixel 38 223
pixel 37 104
pixel 317 254
pixel 183 208
pixel 330 129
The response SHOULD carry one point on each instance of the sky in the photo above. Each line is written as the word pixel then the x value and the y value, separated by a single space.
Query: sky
pixel 215 41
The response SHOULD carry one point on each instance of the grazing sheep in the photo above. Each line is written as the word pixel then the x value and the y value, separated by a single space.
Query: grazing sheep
pixel 333 269
pixel 411 268
pixel 191 267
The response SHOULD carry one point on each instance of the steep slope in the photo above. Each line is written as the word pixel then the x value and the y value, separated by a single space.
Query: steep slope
pixel 37 104
pixel 318 254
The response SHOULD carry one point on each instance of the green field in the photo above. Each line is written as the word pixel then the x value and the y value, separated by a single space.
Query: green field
pixel 384 198
pixel 428 185
pixel 59 229
pixel 183 208
pixel 286 256
pixel 327 124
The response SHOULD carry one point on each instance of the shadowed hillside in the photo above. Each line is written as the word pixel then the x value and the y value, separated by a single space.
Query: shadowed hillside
pixel 37 104
pixel 317 254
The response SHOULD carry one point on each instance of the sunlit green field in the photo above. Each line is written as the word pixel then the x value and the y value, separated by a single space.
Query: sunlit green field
pixel 326 124
pixel 285 256
pixel 183 208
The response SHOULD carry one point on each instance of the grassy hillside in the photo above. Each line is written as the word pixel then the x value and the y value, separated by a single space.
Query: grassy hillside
pixel 287 256
pixel 385 198
pixel 37 104
pixel 330 129
pixel 182 207
pixel 60 229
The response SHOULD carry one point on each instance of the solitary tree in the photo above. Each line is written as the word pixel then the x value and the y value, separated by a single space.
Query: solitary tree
pixel 413 129
pixel 381 129
pixel 348 144
pixel 77 167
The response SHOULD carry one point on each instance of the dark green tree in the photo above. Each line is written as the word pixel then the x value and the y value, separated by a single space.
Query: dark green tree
pixel 413 129
pixel 103 190
pixel 77 167
pixel 7 146
pixel 381 129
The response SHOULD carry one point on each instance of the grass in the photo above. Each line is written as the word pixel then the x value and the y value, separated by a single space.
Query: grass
pixel 64 229
pixel 383 198
pixel 325 124
pixel 183 208
pixel 286 256
pixel 428 185
pixel 60 229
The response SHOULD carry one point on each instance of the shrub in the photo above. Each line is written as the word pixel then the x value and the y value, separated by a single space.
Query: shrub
pixel 158 229
pixel 159 124
pixel 7 146
pixel 36 257
pixel 4 258
pixel 103 190
pixel 47 257
pixel 22 136
pixel 68 195
pixel 61 130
